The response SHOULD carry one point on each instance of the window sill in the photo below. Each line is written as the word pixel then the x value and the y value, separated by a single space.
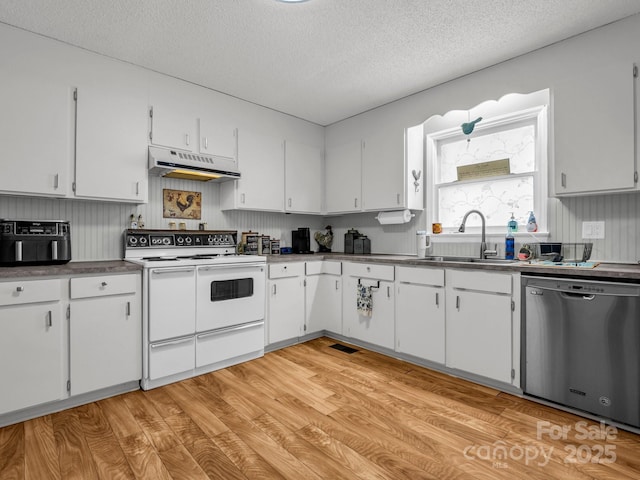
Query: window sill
pixel 520 237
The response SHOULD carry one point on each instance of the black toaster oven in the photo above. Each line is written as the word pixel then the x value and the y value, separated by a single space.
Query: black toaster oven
pixel 30 242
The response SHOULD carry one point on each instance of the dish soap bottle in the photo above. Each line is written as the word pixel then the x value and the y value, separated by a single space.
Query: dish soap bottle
pixel 532 226
pixel 513 224
pixel 509 246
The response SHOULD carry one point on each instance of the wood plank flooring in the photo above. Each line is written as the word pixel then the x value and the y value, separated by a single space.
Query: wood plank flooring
pixel 312 412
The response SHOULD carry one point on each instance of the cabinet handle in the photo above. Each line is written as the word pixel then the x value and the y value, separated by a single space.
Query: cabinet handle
pixel 206 142
pixel 128 309
pixel 242 198
pixel 56 181
pixel 186 139
pixel 398 198
pixel 137 188
pixel 388 291
pixel 355 203
pixel 337 284
pixel 103 284
pixel 20 289
pixel 563 180
pixel 289 201
pixel 458 302
pixel 437 299
pixel 49 319
pixel 274 289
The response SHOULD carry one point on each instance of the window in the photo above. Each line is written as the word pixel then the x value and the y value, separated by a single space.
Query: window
pixel 519 138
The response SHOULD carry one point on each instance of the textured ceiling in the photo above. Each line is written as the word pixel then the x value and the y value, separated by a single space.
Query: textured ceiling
pixel 320 60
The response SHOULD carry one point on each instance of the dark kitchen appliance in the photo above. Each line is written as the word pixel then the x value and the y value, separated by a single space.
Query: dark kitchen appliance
pixel 582 345
pixel 31 242
pixel 301 240
pixel 355 242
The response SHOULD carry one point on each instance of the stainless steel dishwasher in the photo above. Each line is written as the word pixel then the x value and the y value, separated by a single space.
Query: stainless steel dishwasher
pixel 581 346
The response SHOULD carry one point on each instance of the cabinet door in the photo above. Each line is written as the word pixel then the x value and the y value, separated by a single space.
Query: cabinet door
pixel 285 309
pixel 35 134
pixel 323 304
pixel 594 131
pixel 479 333
pixel 31 355
pixel 420 323
pixel 379 328
pixel 111 138
pixel 105 342
pixel 174 113
pixel 261 162
pixel 218 137
pixel 172 303
pixel 383 172
pixel 343 177
pixel 303 178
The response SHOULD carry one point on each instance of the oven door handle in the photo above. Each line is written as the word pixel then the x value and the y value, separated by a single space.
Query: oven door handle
pixel 162 271
pixel 218 268
pixel 230 329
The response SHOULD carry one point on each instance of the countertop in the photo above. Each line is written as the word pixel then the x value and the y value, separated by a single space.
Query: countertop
pixel 71 268
pixel 603 271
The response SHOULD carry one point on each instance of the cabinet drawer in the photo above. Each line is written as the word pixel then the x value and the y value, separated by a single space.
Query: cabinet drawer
pixel 421 276
pixel 29 291
pixel 218 346
pixel 320 267
pixel 84 287
pixel 480 281
pixel 283 270
pixel 368 270
pixel 169 358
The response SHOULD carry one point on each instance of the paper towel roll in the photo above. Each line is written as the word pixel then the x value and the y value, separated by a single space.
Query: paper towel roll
pixel 395 217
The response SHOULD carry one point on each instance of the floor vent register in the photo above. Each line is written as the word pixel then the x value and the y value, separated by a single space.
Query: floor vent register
pixel 343 348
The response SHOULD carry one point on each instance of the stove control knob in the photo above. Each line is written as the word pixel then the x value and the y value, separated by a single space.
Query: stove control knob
pixel 210 239
pixel 143 240
pixel 188 240
pixel 166 241
pixel 180 240
pixel 133 241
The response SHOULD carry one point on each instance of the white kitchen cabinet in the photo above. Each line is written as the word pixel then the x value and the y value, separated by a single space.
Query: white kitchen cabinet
pixel 285 302
pixel 379 328
pixel 323 297
pixel 261 163
pixel 111 134
pixel 383 177
pixel 172 114
pixel 303 178
pixel 479 323
pixel 105 332
pixel 343 178
pixel 217 136
pixel 594 131
pixel 32 348
pixel 35 132
pixel 420 313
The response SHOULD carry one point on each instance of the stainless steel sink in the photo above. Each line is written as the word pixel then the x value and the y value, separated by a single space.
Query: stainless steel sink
pixel 451 258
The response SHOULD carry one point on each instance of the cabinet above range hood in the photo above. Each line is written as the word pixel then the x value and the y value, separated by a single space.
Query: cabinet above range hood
pixel 172 163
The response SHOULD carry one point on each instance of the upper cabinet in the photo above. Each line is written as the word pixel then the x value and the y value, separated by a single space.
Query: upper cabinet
pixel 383 171
pixel 343 177
pixel 261 163
pixel 35 132
pixel 303 178
pixel 594 131
pixel 111 134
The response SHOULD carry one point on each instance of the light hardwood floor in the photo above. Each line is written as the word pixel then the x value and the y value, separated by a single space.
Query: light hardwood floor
pixel 312 412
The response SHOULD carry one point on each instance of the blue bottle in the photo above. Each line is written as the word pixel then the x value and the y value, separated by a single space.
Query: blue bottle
pixel 509 246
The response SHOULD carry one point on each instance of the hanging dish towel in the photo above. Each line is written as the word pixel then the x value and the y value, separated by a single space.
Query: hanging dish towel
pixel 364 300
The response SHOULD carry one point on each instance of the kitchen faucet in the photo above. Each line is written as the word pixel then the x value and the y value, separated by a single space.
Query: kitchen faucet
pixel 483 240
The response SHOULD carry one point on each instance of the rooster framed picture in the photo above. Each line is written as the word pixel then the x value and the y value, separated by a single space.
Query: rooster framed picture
pixel 181 204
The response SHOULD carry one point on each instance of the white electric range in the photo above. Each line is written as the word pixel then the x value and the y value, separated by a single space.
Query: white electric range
pixel 203 304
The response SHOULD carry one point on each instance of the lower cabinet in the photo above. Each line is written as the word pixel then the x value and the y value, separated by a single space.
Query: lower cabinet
pixel 32 347
pixel 323 297
pixel 420 313
pixel 105 332
pixel 479 323
pixel 285 301
pixel 378 326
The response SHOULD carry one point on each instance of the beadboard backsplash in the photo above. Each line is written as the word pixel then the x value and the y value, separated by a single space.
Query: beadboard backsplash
pixel 97 226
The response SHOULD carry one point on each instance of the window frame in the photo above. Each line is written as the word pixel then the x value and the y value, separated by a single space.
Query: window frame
pixel 537 115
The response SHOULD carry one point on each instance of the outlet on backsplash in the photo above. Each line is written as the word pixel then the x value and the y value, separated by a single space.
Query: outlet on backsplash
pixel 594 230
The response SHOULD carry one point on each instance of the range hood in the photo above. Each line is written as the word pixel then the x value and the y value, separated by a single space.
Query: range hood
pixel 171 163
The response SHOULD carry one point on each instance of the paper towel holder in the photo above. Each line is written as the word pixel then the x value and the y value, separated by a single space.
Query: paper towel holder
pixel 395 217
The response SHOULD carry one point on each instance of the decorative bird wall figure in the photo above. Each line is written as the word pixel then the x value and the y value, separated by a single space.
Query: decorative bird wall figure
pixel 468 127
pixel 184 205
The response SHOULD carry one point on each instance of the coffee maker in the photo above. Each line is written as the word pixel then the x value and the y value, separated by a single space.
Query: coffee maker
pixel 301 240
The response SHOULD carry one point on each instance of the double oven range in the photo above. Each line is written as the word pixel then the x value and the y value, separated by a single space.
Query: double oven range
pixel 203 304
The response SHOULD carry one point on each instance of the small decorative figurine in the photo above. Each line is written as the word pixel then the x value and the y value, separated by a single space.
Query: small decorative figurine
pixel 325 240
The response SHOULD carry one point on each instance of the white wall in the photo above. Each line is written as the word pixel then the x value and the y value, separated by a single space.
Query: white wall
pixel 531 72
